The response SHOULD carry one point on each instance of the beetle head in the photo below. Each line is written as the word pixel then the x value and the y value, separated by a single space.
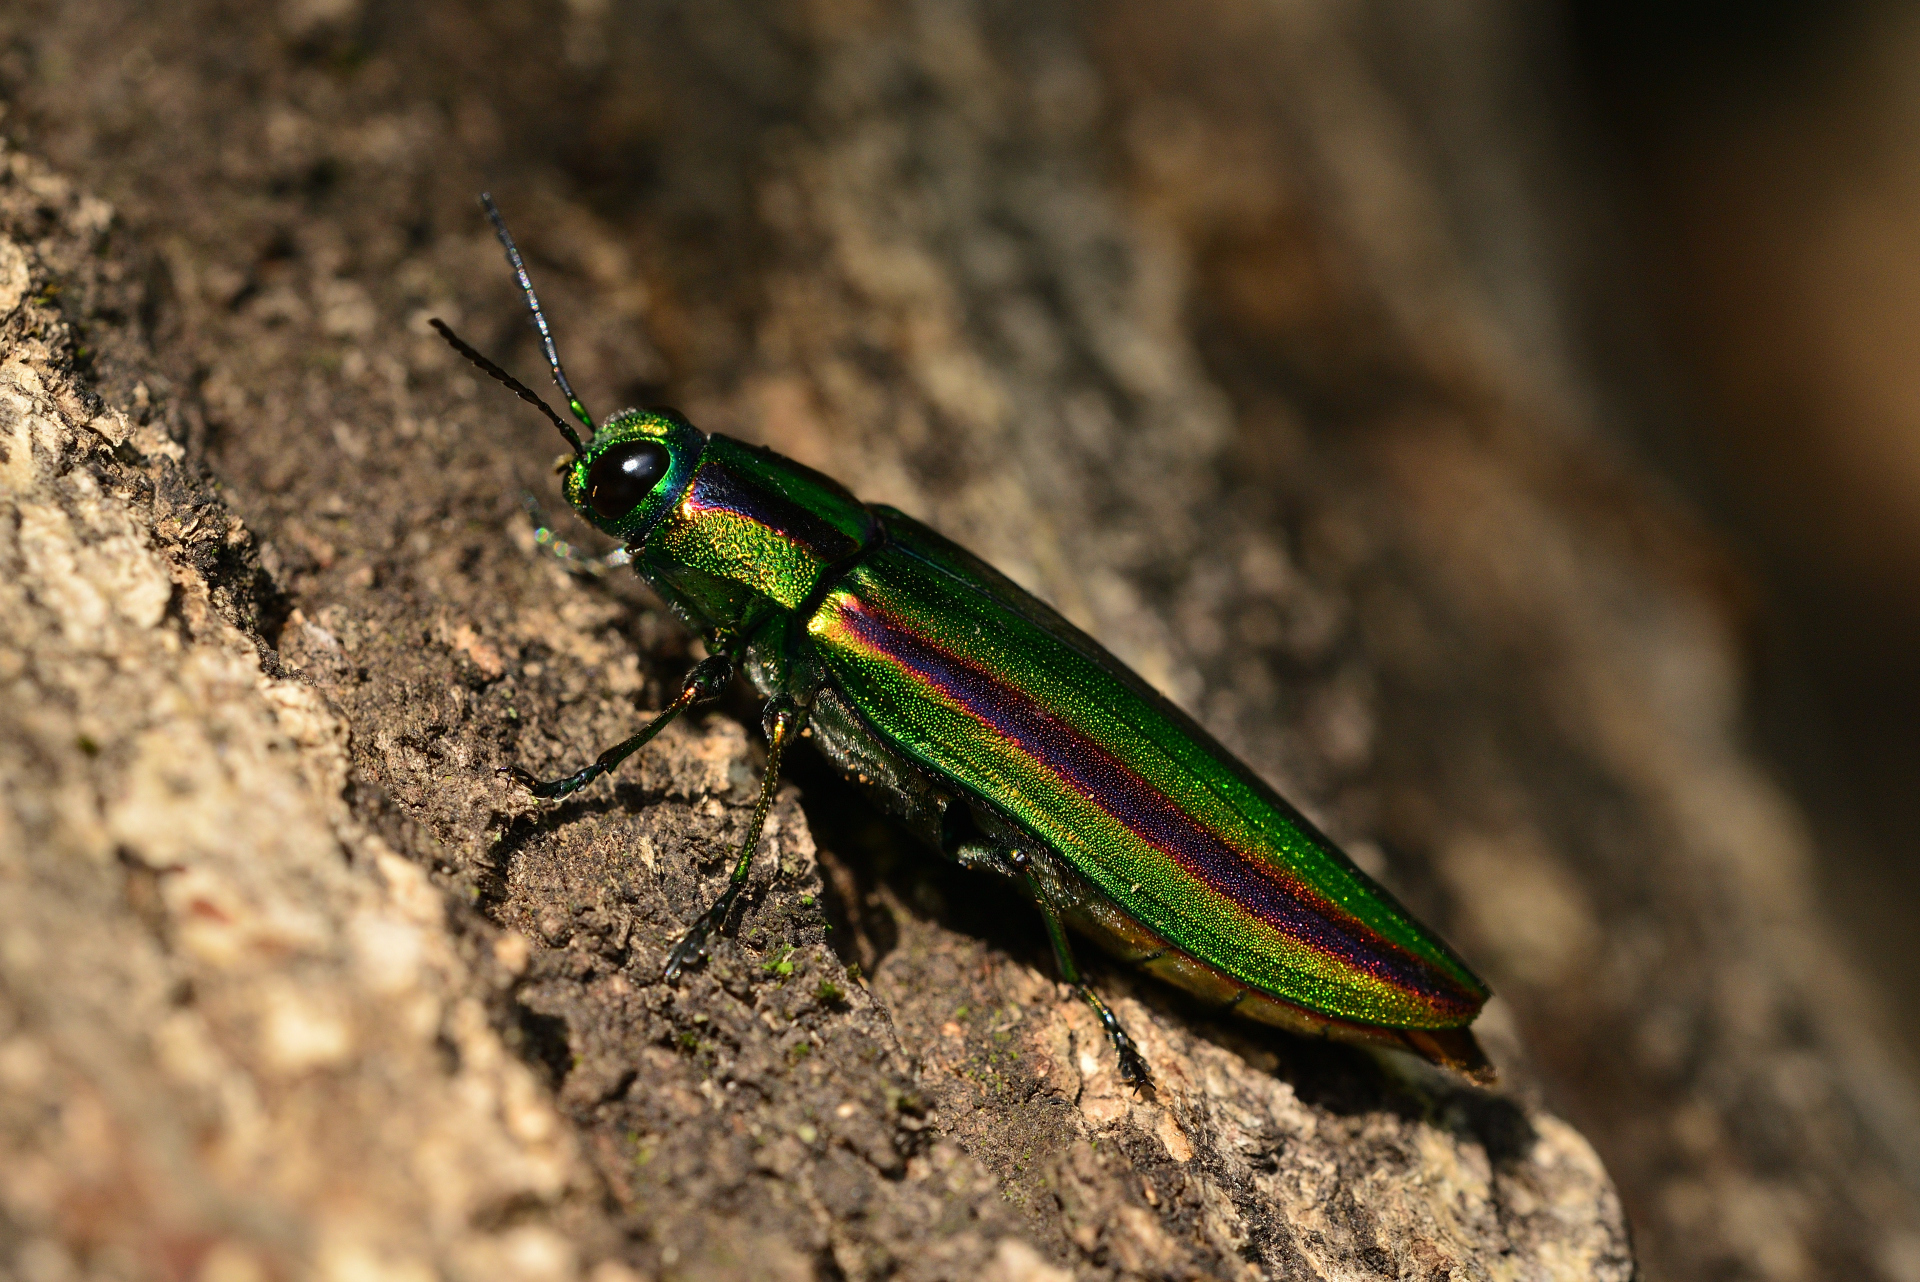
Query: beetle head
pixel 638 463
pixel 635 463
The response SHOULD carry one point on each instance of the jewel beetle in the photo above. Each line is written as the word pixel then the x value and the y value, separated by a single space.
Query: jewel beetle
pixel 1003 736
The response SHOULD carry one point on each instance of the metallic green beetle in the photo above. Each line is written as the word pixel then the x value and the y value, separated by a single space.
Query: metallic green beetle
pixel 1003 735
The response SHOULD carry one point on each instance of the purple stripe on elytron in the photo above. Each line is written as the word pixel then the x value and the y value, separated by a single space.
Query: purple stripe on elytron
pixel 716 489
pixel 1143 809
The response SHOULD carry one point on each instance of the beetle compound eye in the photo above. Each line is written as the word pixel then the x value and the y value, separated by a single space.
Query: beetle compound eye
pixel 624 475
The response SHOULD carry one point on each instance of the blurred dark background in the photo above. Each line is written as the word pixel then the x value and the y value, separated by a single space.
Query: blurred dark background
pixel 1764 162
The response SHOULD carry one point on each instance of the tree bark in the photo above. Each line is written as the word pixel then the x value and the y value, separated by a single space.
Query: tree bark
pixel 1182 325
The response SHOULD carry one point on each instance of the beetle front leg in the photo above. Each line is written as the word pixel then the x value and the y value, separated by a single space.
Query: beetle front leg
pixel 1133 1066
pixel 707 680
pixel 549 540
pixel 782 719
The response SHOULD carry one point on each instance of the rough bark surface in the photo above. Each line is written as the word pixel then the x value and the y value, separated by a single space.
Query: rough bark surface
pixel 1185 328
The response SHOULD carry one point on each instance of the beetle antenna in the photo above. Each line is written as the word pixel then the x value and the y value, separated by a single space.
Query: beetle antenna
pixel 513 384
pixel 539 317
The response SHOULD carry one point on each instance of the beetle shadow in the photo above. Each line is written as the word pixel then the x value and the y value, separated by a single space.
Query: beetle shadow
pixel 864 853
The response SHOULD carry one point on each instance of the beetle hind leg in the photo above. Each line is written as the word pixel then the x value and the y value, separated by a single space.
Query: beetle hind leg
pixel 1133 1065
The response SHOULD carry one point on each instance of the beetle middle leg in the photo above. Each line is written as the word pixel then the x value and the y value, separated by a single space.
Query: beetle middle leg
pixel 1133 1066
pixel 782 719
pixel 707 680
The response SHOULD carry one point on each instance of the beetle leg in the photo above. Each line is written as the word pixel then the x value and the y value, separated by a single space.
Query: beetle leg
pixel 708 678
pixel 1133 1066
pixel 548 540
pixel 782 719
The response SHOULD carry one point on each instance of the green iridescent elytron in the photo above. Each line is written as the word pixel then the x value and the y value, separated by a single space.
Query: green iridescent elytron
pixel 1003 735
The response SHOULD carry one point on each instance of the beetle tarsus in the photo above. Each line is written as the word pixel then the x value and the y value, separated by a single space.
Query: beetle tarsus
pixel 554 789
pixel 1133 1066
pixel 567 785
pixel 1134 1072
pixel 571 784
pixel 692 948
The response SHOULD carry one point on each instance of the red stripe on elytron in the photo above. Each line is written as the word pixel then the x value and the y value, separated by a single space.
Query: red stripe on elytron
pixel 1271 895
